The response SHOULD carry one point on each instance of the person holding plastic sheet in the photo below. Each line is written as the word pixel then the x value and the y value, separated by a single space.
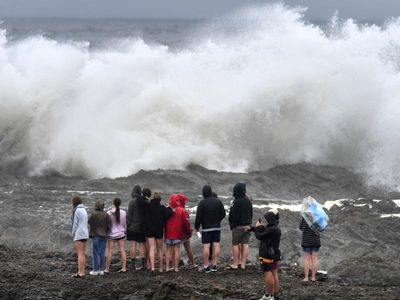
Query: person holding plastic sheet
pixel 313 221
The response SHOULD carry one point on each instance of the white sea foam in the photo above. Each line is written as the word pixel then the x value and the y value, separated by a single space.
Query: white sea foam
pixel 390 216
pixel 276 90
pixel 92 192
pixel 397 202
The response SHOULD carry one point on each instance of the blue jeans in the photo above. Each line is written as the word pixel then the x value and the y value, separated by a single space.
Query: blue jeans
pixel 99 252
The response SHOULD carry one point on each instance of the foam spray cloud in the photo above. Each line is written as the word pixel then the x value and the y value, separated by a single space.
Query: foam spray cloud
pixel 255 89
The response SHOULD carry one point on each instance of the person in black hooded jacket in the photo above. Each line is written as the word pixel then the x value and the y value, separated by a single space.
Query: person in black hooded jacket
pixel 269 253
pixel 155 218
pixel 135 223
pixel 210 212
pixel 240 219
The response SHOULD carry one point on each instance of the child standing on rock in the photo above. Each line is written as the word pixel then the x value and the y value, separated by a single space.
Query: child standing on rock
pixel 269 252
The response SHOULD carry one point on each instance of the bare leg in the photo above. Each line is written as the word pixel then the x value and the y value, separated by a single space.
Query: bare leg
pixel 167 257
pixel 121 245
pixel 206 253
pixel 240 254
pixel 177 256
pixel 152 244
pixel 159 243
pixel 132 250
pixel 235 253
pixel 189 252
pixel 269 283
pixel 276 281
pixel 80 251
pixel 306 265
pixel 244 254
pixel 110 250
pixel 314 258
pixel 216 250
pixel 143 251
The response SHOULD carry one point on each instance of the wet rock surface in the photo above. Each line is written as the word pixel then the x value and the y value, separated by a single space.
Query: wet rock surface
pixel 360 247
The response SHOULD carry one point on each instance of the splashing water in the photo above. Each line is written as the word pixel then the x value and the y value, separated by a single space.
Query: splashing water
pixel 254 89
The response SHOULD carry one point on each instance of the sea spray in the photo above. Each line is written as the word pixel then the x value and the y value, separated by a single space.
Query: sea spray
pixel 255 89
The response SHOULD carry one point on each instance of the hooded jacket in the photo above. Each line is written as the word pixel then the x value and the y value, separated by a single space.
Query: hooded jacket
pixel 156 217
pixel 270 237
pixel 136 211
pixel 241 212
pixel 99 223
pixel 210 212
pixel 186 229
pixel 80 230
pixel 174 225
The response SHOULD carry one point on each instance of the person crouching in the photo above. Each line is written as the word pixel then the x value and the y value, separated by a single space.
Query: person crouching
pixel 269 253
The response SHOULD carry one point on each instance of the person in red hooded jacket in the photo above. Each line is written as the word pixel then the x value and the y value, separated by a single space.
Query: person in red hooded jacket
pixel 187 231
pixel 174 232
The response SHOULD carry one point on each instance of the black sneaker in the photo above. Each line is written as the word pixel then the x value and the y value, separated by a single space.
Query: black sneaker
pixel 205 269
pixel 214 268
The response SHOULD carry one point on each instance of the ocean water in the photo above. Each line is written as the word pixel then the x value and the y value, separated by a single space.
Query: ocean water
pixel 242 92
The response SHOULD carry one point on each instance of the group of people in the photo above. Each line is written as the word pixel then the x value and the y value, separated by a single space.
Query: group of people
pixel 148 224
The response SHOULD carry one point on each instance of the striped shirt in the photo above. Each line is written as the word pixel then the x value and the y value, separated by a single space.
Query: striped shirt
pixel 309 238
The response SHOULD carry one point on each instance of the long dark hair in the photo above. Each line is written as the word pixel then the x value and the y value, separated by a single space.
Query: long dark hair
pixel 76 200
pixel 117 203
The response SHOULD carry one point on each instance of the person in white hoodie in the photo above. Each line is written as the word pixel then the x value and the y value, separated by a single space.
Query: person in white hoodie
pixel 80 232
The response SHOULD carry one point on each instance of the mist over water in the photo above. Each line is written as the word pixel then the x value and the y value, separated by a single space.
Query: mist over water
pixel 255 89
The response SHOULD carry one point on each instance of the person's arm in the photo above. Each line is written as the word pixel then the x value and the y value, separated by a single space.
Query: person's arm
pixel 108 223
pixel 222 211
pixel 90 221
pixel 199 216
pixel 130 213
pixel 167 213
pixel 75 223
pixel 302 223
pixel 263 233
pixel 186 224
pixel 230 216
pixel 124 224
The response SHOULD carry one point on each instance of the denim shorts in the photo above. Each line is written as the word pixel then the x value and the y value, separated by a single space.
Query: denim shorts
pixel 172 242
pixel 310 249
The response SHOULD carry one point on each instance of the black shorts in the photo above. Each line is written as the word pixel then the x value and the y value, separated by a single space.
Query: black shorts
pixel 208 237
pixel 118 239
pixel 137 237
pixel 267 267
pixel 155 234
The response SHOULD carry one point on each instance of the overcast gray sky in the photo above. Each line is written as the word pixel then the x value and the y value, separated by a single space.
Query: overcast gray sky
pixel 318 9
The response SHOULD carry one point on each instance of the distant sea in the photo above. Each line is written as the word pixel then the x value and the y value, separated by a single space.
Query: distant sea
pixel 101 33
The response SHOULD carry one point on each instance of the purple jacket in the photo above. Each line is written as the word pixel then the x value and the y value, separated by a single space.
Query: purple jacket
pixel 117 231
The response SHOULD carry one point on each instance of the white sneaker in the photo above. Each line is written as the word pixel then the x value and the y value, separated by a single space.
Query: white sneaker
pixel 101 273
pixel 94 273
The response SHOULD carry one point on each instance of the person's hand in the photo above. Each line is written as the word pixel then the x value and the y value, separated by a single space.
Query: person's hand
pixel 247 228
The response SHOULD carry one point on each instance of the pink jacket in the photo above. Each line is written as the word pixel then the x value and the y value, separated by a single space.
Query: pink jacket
pixel 117 231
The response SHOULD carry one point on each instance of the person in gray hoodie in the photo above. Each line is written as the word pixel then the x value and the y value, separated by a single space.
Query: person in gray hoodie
pixel 80 232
